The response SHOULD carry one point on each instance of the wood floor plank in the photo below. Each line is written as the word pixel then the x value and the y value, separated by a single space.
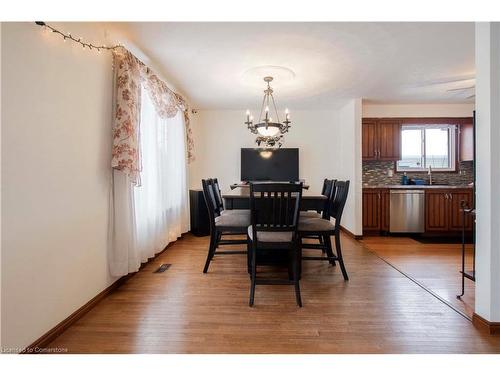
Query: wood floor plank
pixel 435 265
pixel 185 311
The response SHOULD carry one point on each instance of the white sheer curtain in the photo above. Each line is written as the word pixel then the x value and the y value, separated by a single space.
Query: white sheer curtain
pixel 150 216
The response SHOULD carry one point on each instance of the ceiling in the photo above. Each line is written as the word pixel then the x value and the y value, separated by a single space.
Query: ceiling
pixel 221 65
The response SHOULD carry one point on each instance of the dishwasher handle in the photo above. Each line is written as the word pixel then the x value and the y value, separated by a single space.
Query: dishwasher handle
pixel 398 191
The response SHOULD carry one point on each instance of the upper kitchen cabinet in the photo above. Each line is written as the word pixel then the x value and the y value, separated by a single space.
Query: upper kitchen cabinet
pixel 369 139
pixel 466 141
pixel 389 140
pixel 381 139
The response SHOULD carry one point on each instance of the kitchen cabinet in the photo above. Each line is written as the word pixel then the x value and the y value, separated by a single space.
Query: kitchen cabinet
pixel 389 140
pixel 436 211
pixel 369 140
pixel 443 210
pixel 385 210
pixel 381 139
pixel 455 207
pixel 466 141
pixel 371 209
pixel 375 210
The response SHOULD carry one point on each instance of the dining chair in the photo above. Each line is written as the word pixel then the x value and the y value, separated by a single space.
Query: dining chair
pixel 222 225
pixel 220 202
pixel 326 190
pixel 275 209
pixel 324 228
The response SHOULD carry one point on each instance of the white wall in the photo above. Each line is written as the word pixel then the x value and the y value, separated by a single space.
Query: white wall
pixel 56 137
pixel 220 134
pixel 349 133
pixel 487 301
pixel 417 110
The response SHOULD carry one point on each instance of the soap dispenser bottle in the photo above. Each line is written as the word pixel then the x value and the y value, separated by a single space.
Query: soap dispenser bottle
pixel 404 179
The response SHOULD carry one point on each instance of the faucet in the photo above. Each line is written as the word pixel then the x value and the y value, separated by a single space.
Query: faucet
pixel 430 175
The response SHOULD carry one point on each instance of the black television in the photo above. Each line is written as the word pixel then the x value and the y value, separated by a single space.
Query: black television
pixel 260 164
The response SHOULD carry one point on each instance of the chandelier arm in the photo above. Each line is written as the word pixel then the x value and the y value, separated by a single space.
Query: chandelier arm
pixel 267 104
pixel 275 110
pixel 262 107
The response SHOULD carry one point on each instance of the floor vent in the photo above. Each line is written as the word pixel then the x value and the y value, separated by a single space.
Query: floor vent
pixel 162 268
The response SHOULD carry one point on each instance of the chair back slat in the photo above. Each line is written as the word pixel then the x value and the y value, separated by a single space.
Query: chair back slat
pixel 329 191
pixel 217 195
pixel 275 206
pixel 339 199
pixel 210 200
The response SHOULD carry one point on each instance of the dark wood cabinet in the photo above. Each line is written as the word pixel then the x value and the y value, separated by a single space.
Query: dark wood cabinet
pixel 371 209
pixel 369 140
pixel 436 210
pixel 384 210
pixel 375 210
pixel 389 140
pixel 381 139
pixel 466 140
pixel 443 210
pixel 456 214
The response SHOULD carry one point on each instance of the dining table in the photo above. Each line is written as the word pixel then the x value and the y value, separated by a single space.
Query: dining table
pixel 239 198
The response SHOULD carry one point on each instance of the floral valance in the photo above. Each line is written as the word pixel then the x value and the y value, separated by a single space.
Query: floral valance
pixel 130 74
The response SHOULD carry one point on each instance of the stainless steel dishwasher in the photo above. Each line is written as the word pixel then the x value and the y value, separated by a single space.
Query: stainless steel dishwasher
pixel 407 211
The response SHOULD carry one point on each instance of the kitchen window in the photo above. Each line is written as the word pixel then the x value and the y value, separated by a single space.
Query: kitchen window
pixel 424 146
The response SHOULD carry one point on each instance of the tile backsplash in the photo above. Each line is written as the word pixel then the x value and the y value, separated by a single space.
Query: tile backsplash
pixel 377 173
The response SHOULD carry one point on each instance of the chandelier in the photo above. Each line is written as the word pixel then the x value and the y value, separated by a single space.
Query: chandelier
pixel 269 132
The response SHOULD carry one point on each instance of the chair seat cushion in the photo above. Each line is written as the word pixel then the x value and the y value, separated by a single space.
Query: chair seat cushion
pixel 235 212
pixel 316 225
pixel 309 214
pixel 230 221
pixel 264 236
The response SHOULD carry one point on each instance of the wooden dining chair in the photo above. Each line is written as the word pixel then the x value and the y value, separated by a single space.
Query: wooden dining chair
pixel 328 186
pixel 220 202
pixel 222 225
pixel 275 209
pixel 325 228
pixel 327 190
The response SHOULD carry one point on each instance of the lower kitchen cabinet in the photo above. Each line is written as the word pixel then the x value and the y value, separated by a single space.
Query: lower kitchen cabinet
pixel 456 214
pixel 443 210
pixel 375 210
pixel 452 217
pixel 385 210
pixel 436 210
pixel 371 209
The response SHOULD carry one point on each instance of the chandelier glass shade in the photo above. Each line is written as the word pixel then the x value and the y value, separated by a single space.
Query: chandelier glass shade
pixel 269 130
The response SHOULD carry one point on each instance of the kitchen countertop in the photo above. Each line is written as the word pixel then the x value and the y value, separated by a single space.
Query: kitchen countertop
pixel 406 187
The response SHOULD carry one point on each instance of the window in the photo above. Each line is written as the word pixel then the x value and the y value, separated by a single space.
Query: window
pixel 424 146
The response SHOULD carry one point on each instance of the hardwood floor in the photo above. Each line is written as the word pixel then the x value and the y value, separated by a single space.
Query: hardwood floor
pixel 434 265
pixel 184 311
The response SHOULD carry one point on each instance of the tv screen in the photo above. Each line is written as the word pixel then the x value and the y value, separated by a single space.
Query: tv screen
pixel 258 164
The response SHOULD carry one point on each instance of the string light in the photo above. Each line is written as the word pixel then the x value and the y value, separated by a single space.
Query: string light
pixel 79 40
